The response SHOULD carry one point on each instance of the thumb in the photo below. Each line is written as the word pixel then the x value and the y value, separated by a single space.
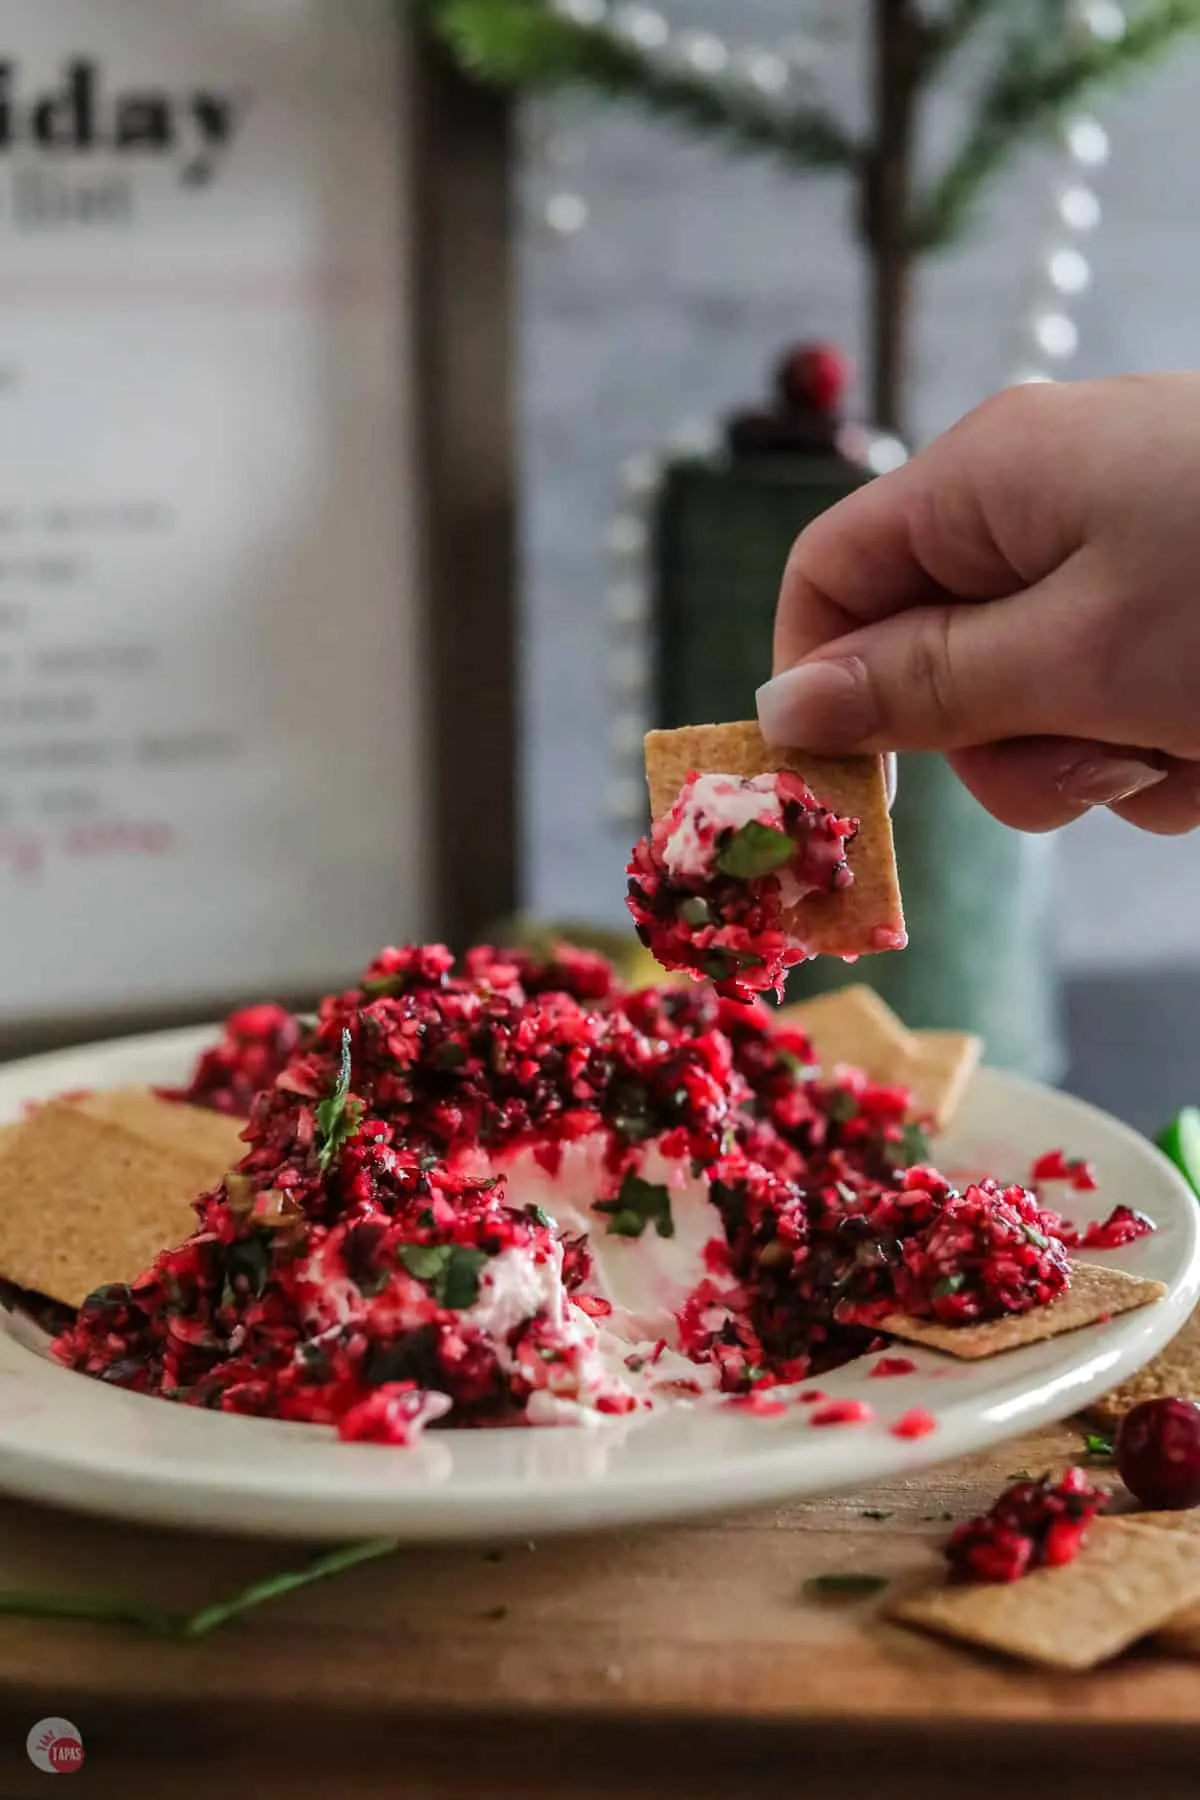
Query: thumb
pixel 936 678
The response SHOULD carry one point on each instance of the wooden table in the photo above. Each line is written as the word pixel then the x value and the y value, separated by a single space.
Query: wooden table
pixel 652 1665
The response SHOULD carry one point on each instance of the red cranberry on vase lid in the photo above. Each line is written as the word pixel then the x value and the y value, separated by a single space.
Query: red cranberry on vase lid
pixel 1158 1453
pixel 803 417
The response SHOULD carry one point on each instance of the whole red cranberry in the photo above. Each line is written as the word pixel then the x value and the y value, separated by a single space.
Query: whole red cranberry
pixel 1158 1453
pixel 813 375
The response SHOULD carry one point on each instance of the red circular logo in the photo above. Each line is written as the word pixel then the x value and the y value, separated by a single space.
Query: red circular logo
pixel 55 1746
pixel 65 1755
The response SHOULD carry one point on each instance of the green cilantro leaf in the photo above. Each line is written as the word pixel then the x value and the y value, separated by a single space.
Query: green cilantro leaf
pixel 451 1271
pixel 638 1204
pixel 949 1284
pixel 695 911
pixel 913 1147
pixel 1098 1443
pixel 338 1116
pixel 754 850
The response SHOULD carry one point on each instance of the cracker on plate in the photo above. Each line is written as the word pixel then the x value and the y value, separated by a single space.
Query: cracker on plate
pixel 854 1025
pixel 212 1138
pixel 1095 1294
pixel 83 1202
pixel 852 922
pixel 939 1072
pixel 1128 1580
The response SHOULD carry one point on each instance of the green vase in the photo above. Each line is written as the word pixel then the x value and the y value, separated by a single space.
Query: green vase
pixel 978 898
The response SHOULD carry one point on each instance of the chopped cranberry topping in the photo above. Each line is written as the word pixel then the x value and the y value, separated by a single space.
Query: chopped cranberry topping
pixel 1056 1165
pixel 916 1423
pixel 1033 1524
pixel 893 1365
pixel 1158 1453
pixel 370 1264
pixel 712 887
pixel 843 1412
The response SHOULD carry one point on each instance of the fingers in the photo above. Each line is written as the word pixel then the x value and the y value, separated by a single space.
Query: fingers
pixel 975 516
pixel 1039 784
pixel 942 677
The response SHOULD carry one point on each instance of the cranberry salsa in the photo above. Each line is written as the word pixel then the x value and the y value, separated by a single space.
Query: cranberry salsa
pixel 511 1191
pixel 712 887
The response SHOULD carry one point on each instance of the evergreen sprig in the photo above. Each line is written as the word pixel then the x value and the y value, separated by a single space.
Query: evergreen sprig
pixel 521 44
pixel 525 45
pixel 1029 91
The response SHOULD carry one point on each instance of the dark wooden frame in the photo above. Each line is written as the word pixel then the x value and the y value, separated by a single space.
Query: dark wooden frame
pixel 461 139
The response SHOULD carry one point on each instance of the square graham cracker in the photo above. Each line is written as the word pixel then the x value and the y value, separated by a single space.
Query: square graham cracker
pixel 939 1072
pixel 1127 1581
pixel 1095 1293
pixel 83 1202
pixel 841 924
pixel 211 1138
pixel 854 1025
pixel 1173 1373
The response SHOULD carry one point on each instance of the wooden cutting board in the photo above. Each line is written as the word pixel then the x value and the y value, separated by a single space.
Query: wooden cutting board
pixel 686 1660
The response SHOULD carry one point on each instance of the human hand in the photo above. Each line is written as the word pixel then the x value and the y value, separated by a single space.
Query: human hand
pixel 1023 595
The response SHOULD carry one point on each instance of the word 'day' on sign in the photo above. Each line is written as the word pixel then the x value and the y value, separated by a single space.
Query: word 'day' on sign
pixel 216 598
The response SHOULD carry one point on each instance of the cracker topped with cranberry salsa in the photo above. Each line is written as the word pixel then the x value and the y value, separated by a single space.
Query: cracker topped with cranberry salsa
pixel 760 857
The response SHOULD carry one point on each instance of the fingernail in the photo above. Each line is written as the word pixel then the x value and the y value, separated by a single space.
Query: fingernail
pixel 823 705
pixel 1099 781
pixel 890 778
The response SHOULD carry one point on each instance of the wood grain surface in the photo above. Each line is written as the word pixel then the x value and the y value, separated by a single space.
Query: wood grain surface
pixel 688 1660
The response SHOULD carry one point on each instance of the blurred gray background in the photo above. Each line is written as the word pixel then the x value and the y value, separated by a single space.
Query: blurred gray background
pixel 693 269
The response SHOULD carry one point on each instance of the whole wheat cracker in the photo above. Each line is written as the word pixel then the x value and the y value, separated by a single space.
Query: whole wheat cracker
pixel 212 1138
pixel 855 1025
pixel 83 1202
pixel 1127 1581
pixel 852 1025
pixel 939 1072
pixel 1175 1371
pixel 838 924
pixel 1095 1293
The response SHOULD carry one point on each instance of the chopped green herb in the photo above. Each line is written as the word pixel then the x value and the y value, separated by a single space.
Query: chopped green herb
pixel 384 987
pixel 338 1116
pixel 1035 1236
pixel 850 1587
pixel 873 1512
pixel 638 1204
pixel 719 965
pixel 949 1284
pixel 795 1065
pixel 695 911
pixel 753 850
pixel 248 1262
pixel 913 1147
pixel 842 1107
pixel 449 1056
pixel 451 1271
pixel 1098 1443
pixel 158 1622
pixel 540 1217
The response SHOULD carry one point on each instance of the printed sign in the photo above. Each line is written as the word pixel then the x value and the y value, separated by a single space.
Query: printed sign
pixel 210 661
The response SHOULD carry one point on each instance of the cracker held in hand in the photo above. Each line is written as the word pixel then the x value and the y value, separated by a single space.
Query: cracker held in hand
pixel 83 1202
pixel 1128 1580
pixel 867 916
pixel 1095 1294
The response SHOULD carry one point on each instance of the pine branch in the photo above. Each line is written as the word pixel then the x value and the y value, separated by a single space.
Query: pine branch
pixel 520 44
pixel 1029 93
pixel 948 36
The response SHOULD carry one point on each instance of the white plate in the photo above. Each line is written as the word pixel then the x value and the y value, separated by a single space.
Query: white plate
pixel 68 1439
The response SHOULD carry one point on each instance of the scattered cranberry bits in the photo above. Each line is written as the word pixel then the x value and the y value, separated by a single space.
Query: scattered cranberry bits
pixel 710 888
pixel 381 1254
pixel 1033 1525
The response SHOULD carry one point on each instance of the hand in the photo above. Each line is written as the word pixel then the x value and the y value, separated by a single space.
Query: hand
pixel 1025 596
